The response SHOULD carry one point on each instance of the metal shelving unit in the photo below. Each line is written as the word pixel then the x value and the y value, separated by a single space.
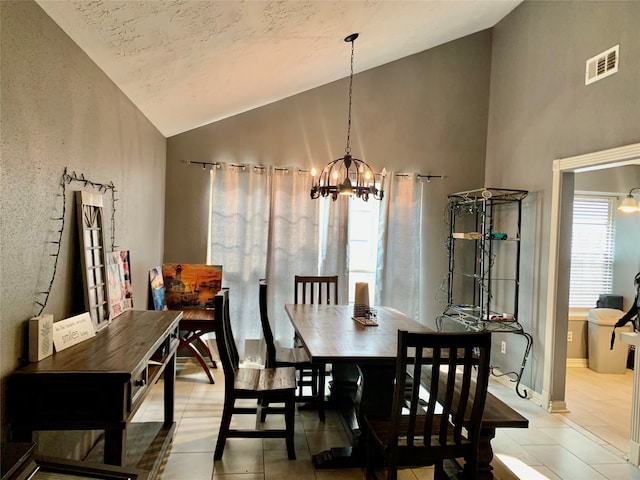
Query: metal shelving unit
pixel 484 264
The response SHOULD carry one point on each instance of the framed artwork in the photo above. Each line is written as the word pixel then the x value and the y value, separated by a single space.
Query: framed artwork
pixel 190 285
pixel 119 282
pixel 156 283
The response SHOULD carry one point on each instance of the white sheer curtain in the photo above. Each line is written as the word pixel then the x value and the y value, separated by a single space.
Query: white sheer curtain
pixel 308 237
pixel 265 225
pixel 400 246
pixel 239 239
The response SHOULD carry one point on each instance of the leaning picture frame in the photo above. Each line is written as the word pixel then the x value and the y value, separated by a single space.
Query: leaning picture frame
pixel 191 285
pixel 156 288
pixel 119 282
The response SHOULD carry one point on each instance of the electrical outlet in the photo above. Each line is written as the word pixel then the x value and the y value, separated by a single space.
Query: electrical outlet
pixel 570 336
pixel 503 347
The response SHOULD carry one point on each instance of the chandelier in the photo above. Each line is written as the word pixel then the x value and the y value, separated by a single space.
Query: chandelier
pixel 347 175
pixel 629 204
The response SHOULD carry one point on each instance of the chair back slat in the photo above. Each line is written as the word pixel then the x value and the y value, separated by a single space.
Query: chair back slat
pixel 413 406
pixel 320 290
pixel 449 410
pixel 433 397
pixel 465 392
pixel 266 326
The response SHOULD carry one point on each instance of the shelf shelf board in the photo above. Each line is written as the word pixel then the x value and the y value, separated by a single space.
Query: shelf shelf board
pixel 472 321
pixel 147 446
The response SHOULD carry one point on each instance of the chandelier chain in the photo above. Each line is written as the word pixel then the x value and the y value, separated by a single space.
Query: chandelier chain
pixel 348 147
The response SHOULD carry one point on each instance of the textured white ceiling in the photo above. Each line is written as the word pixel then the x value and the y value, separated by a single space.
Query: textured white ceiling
pixel 187 63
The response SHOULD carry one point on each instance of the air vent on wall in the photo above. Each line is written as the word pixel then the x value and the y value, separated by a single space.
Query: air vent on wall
pixel 602 65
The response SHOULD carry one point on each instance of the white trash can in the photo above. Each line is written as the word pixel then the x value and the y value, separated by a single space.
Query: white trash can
pixel 601 358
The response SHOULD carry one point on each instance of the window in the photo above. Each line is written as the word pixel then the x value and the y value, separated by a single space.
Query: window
pixel 363 244
pixel 591 250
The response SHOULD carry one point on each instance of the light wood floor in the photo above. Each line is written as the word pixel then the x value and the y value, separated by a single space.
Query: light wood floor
pixel 601 404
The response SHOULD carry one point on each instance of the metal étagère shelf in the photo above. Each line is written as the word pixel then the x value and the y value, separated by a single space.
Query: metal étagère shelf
pixel 484 265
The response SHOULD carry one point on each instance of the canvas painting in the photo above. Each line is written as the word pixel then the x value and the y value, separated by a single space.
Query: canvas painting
pixel 119 283
pixel 157 288
pixel 191 285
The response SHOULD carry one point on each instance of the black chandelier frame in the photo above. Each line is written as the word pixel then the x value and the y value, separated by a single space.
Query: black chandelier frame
pixel 348 175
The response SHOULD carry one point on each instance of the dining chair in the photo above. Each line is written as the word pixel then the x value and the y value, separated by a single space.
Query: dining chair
pixel 426 429
pixel 268 386
pixel 318 290
pixel 278 356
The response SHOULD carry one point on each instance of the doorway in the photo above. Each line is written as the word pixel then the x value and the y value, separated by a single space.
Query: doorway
pixel 564 171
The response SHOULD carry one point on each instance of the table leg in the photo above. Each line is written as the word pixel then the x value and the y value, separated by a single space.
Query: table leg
pixel 186 343
pixel 485 454
pixel 378 384
pixel 169 389
pixel 114 446
pixel 206 349
pixel 374 397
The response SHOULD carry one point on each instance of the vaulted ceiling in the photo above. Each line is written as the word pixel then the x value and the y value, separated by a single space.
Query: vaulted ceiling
pixel 187 63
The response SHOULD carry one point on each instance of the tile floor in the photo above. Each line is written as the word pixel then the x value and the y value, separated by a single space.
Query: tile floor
pixel 588 443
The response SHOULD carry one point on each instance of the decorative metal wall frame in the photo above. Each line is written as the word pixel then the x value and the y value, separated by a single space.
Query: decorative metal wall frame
pixel 67 179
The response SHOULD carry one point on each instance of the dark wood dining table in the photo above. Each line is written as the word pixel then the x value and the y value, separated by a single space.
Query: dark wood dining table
pixel 331 335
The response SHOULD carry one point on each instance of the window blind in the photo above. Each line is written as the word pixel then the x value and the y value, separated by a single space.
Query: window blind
pixel 591 250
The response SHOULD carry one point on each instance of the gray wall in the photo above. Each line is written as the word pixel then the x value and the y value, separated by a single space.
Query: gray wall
pixel 60 110
pixel 426 113
pixel 540 110
pixel 577 347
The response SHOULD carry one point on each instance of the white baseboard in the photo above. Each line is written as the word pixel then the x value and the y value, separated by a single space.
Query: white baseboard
pixel 556 406
pixel 577 362
pixel 505 380
pixel 634 453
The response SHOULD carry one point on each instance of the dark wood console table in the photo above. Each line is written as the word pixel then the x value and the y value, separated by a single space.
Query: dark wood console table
pixel 99 384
